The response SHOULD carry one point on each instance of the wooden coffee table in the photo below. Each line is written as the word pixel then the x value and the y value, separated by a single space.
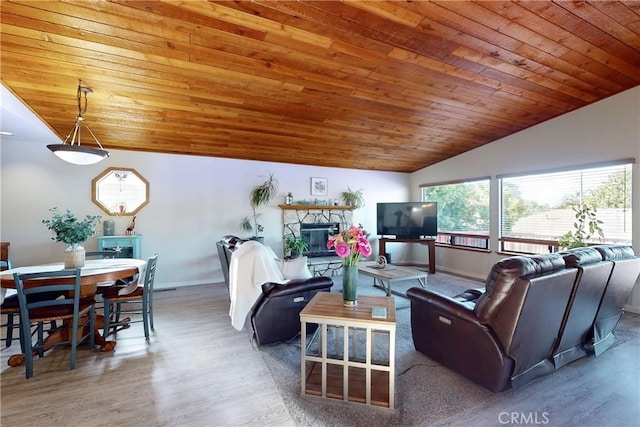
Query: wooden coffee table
pixel 385 277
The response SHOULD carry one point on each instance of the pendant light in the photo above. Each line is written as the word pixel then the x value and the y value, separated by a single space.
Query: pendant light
pixel 70 150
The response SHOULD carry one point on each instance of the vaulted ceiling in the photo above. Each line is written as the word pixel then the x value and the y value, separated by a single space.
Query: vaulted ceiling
pixel 380 85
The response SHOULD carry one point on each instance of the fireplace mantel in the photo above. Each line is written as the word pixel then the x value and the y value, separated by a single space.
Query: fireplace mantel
pixel 316 207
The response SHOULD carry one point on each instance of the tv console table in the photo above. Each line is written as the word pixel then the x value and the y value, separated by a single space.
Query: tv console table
pixel 430 242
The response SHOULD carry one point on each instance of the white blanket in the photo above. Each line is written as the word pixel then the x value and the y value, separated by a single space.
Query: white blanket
pixel 252 264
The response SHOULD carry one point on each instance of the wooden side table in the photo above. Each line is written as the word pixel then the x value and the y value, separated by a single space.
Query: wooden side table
pixel 350 355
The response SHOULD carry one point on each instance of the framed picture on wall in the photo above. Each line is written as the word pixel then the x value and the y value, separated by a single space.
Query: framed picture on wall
pixel 319 186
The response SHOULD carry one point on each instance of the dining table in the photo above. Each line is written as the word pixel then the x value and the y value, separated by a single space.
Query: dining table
pixel 94 273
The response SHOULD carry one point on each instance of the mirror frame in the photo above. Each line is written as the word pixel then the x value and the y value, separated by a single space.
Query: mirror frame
pixel 94 191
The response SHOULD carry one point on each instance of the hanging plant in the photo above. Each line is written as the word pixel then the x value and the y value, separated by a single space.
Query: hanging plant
pixel 260 195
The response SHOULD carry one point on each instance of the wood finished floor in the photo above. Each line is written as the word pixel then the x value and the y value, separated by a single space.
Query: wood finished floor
pixel 195 371
pixel 198 371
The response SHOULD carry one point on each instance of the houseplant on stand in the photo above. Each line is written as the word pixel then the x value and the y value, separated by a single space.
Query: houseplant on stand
pixel 260 195
pixel 586 226
pixel 68 229
pixel 295 245
pixel 350 245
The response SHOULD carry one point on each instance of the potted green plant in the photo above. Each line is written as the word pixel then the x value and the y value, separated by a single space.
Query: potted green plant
pixel 259 195
pixel 68 229
pixel 353 198
pixel 295 245
pixel 586 226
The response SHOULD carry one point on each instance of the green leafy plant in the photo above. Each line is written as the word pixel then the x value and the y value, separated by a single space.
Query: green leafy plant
pixel 296 245
pixel 353 198
pixel 260 195
pixel 66 228
pixel 587 225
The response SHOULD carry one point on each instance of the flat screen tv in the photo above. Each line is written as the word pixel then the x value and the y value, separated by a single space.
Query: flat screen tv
pixel 409 220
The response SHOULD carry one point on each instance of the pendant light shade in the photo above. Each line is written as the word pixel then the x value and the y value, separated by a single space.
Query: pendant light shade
pixel 70 150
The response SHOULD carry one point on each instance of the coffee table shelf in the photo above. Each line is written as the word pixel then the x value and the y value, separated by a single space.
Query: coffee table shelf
pixel 351 355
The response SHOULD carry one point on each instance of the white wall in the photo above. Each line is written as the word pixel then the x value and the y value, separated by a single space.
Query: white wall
pixel 194 201
pixel 607 130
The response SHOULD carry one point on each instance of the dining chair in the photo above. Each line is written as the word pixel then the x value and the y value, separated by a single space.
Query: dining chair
pixel 76 313
pixel 11 309
pixel 143 294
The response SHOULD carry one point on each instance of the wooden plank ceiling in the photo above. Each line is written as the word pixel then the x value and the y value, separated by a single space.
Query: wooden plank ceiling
pixel 379 85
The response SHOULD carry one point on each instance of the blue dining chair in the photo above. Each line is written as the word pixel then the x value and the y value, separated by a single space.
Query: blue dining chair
pixel 77 314
pixel 11 308
pixel 142 295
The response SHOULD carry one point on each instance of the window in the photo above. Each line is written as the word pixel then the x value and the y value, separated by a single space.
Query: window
pixel 536 209
pixel 463 212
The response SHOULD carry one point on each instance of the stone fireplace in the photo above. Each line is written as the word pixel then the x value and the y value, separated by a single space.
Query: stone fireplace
pixel 315 223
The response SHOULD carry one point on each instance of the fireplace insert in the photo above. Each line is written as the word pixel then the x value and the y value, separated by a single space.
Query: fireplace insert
pixel 317 235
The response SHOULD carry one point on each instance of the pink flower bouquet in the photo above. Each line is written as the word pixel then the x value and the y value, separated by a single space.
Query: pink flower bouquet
pixel 350 245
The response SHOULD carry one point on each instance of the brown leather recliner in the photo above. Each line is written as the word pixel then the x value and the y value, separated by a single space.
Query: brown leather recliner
pixel 505 337
pixel 588 289
pixel 626 269
pixel 275 316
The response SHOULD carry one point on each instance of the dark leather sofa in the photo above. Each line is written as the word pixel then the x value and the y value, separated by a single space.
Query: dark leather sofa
pixel 275 317
pixel 626 268
pixel 535 315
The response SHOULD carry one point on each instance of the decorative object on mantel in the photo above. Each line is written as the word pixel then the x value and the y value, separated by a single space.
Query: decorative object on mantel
pixel 299 206
pixel 353 198
pixel 259 195
pixel 73 152
pixel 72 231
pixel 350 245
pixel 319 186
pixel 289 199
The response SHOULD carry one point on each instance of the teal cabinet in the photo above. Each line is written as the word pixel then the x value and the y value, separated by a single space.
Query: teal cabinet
pixel 129 246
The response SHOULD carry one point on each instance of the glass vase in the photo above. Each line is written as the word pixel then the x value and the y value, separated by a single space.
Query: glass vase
pixel 349 285
pixel 74 256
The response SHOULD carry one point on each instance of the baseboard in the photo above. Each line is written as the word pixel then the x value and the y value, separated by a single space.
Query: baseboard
pixel 632 309
pixel 173 285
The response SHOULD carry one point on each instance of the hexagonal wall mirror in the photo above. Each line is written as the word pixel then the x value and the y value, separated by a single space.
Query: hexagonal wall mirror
pixel 120 191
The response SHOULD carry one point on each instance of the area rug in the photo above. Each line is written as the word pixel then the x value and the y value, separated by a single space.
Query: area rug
pixel 427 394
pixel 425 391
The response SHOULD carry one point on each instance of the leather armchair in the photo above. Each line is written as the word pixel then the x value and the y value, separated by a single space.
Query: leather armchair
pixel 505 337
pixel 275 316
pixel 588 289
pixel 225 248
